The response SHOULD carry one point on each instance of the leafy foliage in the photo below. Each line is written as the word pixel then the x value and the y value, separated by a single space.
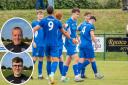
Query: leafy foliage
pixel 59 4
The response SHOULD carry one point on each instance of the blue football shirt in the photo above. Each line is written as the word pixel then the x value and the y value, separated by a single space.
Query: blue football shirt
pixel 60 40
pixel 71 28
pixel 85 36
pixel 38 35
pixel 81 26
pixel 51 28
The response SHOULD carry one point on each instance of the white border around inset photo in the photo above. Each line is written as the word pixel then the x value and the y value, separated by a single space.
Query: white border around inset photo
pixel 26 50
pixel 28 55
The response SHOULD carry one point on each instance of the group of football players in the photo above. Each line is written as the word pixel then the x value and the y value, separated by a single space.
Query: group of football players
pixel 48 33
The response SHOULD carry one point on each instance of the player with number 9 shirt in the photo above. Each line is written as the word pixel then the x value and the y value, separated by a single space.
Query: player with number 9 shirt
pixel 51 27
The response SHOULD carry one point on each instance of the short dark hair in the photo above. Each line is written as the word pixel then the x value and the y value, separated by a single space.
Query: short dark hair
pixel 17 60
pixel 87 13
pixel 93 17
pixel 18 28
pixel 50 10
pixel 74 10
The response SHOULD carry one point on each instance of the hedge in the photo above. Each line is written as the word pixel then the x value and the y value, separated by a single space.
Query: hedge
pixel 61 4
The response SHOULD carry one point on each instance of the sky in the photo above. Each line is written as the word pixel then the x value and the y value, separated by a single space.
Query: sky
pixel 7 59
pixel 16 22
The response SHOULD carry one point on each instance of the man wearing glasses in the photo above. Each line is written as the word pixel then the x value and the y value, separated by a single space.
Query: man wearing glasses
pixel 17 67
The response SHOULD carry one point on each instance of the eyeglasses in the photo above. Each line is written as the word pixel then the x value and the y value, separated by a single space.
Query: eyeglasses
pixel 17 66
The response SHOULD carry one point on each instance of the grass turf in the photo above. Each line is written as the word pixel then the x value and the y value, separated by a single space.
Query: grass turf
pixel 108 20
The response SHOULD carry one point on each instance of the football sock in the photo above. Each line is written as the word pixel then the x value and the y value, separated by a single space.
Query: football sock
pixel 61 66
pixel 48 67
pixel 86 62
pixel 82 65
pixel 40 65
pixel 65 70
pixel 94 67
pixel 83 72
pixel 54 67
pixel 75 69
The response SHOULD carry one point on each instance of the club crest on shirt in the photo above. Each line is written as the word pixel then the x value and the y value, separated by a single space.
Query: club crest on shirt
pixel 22 49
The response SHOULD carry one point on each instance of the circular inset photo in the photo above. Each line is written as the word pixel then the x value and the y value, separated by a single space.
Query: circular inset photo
pixel 16 35
pixel 17 68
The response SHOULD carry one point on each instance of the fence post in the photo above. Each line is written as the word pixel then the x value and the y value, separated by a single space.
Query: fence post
pixel 104 46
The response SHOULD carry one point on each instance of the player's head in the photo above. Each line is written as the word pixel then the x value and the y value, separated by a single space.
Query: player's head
pixel 50 10
pixel 17 35
pixel 58 15
pixel 17 66
pixel 75 13
pixel 40 14
pixel 92 19
pixel 87 16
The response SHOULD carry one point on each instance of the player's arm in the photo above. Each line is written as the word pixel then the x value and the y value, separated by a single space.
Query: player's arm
pixel 65 25
pixel 63 30
pixel 78 38
pixel 93 38
pixel 34 25
pixel 36 28
pixel 65 33
pixel 79 28
pixel 34 44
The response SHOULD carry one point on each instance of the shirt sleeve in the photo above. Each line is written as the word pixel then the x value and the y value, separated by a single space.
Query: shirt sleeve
pixel 33 24
pixel 79 28
pixel 67 25
pixel 41 23
pixel 60 25
pixel 92 27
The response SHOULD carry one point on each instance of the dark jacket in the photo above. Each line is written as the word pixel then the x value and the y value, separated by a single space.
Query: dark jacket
pixel 17 80
pixel 17 48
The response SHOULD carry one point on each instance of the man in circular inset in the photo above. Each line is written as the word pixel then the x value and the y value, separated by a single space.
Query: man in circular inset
pixel 17 67
pixel 17 45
